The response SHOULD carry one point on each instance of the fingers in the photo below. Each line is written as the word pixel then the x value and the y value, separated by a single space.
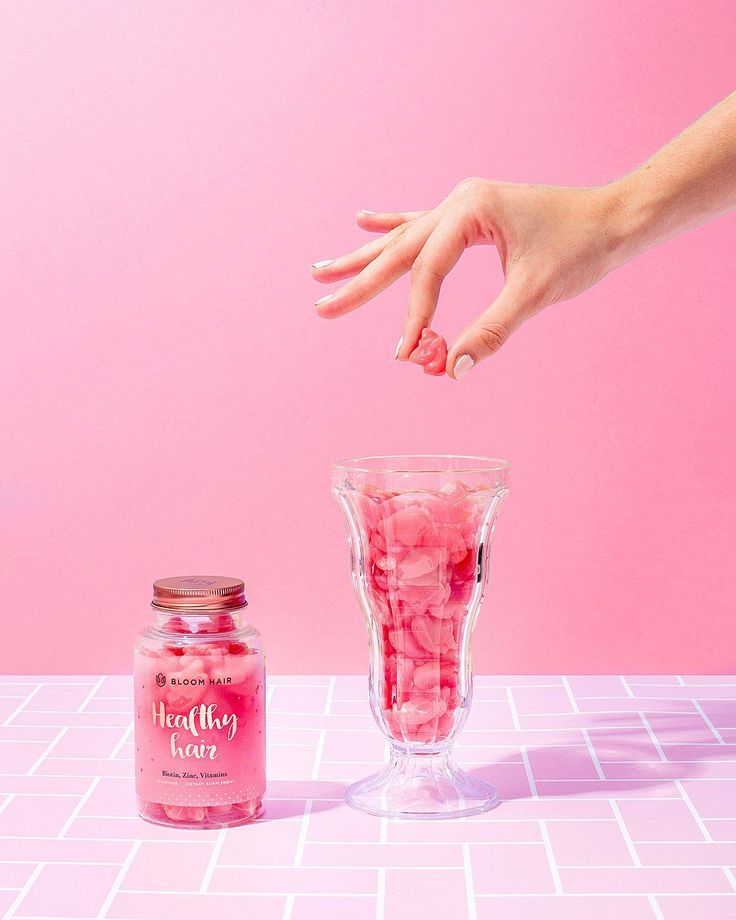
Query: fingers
pixel 381 223
pixel 347 266
pixel 393 261
pixel 437 258
pixel 489 331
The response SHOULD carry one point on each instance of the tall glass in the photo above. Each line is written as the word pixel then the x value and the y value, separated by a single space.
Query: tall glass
pixel 419 531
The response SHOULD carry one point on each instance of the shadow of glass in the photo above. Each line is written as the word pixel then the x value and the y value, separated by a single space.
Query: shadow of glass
pixel 624 754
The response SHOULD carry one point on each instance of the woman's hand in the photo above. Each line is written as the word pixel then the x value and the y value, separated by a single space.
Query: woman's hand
pixel 553 243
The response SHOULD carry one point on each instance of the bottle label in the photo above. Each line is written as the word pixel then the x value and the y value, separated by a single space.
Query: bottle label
pixel 200 725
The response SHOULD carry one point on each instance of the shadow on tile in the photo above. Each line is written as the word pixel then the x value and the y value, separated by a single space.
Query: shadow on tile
pixel 626 754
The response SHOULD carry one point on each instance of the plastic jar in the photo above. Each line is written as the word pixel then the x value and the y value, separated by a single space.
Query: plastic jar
pixel 200 714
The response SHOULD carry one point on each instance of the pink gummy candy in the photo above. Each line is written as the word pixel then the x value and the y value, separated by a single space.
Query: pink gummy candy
pixel 421 559
pixel 430 353
pixel 191 813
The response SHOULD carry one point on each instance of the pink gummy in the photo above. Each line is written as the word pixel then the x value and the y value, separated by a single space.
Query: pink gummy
pixel 403 641
pixel 427 675
pixel 193 814
pixel 248 809
pixel 219 809
pixel 409 527
pixel 430 353
pixel 421 709
pixel 433 635
pixel 421 559
pixel 421 562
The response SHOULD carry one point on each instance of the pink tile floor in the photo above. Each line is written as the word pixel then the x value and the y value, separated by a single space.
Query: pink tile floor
pixel 619 800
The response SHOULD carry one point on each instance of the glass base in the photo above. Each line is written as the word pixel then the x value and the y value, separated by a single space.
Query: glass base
pixel 421 786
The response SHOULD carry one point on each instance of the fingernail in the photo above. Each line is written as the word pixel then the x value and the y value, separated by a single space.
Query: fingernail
pixel 398 347
pixel 327 299
pixel 323 264
pixel 463 364
pixel 366 211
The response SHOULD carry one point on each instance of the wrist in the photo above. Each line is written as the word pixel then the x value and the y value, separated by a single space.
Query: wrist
pixel 641 212
pixel 630 219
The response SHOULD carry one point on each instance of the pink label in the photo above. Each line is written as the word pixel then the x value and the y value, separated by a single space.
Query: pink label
pixel 200 726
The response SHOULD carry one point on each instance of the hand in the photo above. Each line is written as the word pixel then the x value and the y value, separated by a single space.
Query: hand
pixel 553 243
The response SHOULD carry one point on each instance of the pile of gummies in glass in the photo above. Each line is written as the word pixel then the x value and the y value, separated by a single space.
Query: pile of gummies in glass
pixel 421 567
pixel 219 659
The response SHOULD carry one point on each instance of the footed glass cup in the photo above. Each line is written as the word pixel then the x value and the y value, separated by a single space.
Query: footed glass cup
pixel 419 531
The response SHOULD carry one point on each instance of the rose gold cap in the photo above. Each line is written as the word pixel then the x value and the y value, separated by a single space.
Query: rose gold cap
pixel 198 592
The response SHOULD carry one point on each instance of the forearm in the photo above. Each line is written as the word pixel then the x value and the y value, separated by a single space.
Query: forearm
pixel 688 182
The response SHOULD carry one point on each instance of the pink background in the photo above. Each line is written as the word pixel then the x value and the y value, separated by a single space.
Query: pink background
pixel 171 404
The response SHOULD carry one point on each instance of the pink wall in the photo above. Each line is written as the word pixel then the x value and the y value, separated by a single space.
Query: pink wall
pixel 171 404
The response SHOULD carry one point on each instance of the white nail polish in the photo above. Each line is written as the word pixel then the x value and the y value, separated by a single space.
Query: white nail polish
pixel 366 211
pixel 323 264
pixel 398 347
pixel 463 364
pixel 327 299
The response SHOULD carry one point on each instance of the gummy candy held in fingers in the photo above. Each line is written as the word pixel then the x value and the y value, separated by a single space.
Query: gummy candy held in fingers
pixel 430 353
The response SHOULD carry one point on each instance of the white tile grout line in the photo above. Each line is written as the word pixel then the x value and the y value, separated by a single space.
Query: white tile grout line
pixel 323 731
pixel 301 842
pixel 653 738
pixel 318 753
pixel 26 700
pixel 522 747
pixel 288 907
pixel 330 695
pixel 626 686
pixel 570 694
pixel 557 881
pixel 383 832
pixel 706 719
pixel 119 746
pixel 44 754
pixel 512 707
pixel 214 856
pixel 469 886
pixel 693 810
pixel 115 887
pixel 593 754
pixel 79 806
pixel 730 876
pixel 680 681
pixel 82 706
pixel 236 894
pixel 529 774
pixel 625 832
pixel 381 895
pixel 656 910
pixel 24 891
pixel 364 894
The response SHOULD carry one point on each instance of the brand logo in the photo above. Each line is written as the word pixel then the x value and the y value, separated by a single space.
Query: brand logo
pixel 160 680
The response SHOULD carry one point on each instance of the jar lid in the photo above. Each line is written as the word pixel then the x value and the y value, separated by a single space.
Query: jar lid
pixel 198 592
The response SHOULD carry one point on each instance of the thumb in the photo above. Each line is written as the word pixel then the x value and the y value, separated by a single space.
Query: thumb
pixel 489 331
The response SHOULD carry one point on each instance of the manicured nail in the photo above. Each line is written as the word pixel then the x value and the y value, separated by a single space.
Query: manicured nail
pixel 323 264
pixel 398 347
pixel 327 299
pixel 463 364
pixel 366 211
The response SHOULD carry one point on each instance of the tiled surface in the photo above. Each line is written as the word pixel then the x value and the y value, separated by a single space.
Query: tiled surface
pixel 619 801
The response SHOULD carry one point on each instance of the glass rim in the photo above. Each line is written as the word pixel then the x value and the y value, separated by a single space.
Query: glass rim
pixel 383 464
